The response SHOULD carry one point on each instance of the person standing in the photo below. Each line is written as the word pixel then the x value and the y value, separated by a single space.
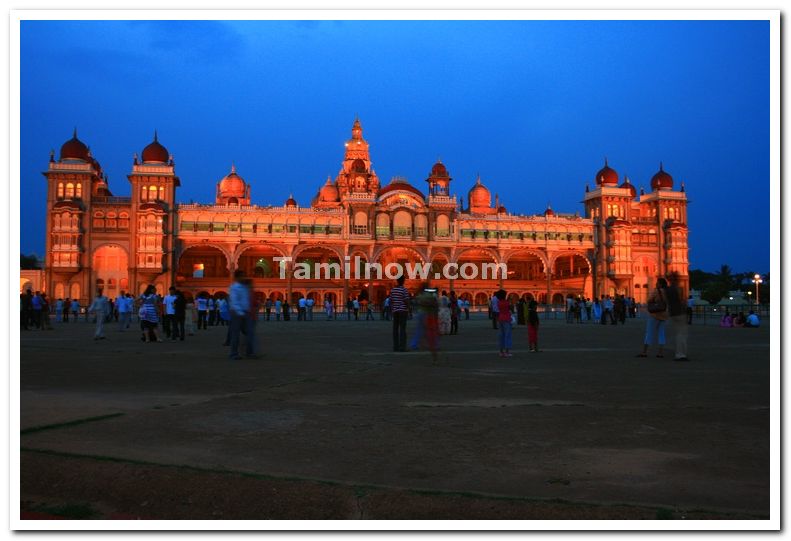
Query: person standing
pixel 301 309
pixel 444 313
pixel 180 315
pixel 59 310
pixel 203 307
pixel 532 326
pixel 386 309
pixel 124 305
pixel 309 303
pixel 493 309
pixel 328 308
pixel 399 306
pixel 690 307
pixel 678 317
pixel 278 308
pixel 241 317
pixel 149 314
pixel 454 313
pixel 607 307
pixel 655 322
pixel 100 307
pixel 75 309
pixel 268 308
pixel 466 309
pixel 189 317
pixel 504 321
pixel 286 311
pixel 170 313
pixel 356 308
pixel 45 309
pixel 36 304
pixel 66 306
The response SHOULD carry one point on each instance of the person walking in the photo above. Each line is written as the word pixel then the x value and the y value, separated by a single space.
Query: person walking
pixel 504 321
pixel 399 306
pixel 66 307
pixel 655 322
pixel 59 310
pixel 149 314
pixel 100 308
pixel 532 326
pixel 241 317
pixel 676 308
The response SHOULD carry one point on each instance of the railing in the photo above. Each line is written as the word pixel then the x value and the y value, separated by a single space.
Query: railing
pixel 360 229
pixel 111 199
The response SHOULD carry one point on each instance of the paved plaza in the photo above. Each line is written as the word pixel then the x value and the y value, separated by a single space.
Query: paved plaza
pixel 330 423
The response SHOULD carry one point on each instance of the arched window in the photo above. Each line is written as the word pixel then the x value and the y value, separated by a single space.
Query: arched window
pixel 143 193
pixel 98 219
pixel 79 190
pixel 443 226
pixel 361 222
pixel 123 220
pixel 69 190
pixel 60 189
pixel 152 193
pixel 162 193
pixel 75 291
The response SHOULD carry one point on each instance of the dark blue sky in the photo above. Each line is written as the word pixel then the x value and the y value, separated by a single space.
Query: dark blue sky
pixel 533 106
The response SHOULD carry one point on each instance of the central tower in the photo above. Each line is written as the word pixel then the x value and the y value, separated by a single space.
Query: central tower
pixel 356 175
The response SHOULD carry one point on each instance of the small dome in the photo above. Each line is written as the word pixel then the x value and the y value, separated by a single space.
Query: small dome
pixel 291 202
pixel 549 211
pixel 479 195
pixel 232 185
pixel 501 210
pixel 439 170
pixel 155 152
pixel 630 186
pixel 661 181
pixel 74 149
pixel 329 192
pixel 400 183
pixel 607 176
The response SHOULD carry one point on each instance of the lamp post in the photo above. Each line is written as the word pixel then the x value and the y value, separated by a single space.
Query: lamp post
pixel 757 281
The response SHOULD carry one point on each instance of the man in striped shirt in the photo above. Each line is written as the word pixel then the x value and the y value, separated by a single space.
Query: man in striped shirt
pixel 399 306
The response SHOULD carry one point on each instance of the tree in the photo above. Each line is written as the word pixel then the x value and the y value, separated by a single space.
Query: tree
pixel 725 277
pixel 714 292
pixel 28 262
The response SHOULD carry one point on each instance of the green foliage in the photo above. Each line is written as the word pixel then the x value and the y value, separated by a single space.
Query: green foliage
pixel 714 292
pixel 28 262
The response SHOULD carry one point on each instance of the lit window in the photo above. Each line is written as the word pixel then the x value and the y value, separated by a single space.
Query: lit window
pixel 60 189
pixel 69 190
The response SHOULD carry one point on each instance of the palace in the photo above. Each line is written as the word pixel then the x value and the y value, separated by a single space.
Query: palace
pixel 98 240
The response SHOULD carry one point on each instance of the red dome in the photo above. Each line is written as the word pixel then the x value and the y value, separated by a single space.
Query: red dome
pixel 631 187
pixel 661 181
pixel 501 210
pixel 291 202
pixel 74 149
pixel 439 170
pixel 479 195
pixel 232 185
pixel 400 184
pixel 607 176
pixel 549 212
pixel 329 192
pixel 155 152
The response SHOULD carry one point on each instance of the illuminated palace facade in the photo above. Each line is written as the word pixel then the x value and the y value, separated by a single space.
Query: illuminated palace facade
pixel 94 239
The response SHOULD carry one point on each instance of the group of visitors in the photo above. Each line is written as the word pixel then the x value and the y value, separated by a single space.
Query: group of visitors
pixel 740 320
pixel 612 309
pixel 34 311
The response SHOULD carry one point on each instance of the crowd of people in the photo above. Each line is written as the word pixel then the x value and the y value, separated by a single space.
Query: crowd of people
pixel 434 313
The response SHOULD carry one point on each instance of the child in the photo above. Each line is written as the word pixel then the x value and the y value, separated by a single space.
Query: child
pixel 532 326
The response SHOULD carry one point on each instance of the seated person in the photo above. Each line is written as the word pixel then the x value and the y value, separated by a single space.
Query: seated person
pixel 727 320
pixel 752 320
pixel 738 320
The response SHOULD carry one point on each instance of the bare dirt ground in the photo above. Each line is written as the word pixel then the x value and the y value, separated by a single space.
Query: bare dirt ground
pixel 329 423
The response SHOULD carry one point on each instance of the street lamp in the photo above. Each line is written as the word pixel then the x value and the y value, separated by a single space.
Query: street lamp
pixel 750 293
pixel 757 281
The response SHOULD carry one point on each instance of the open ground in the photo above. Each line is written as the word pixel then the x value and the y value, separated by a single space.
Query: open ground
pixel 329 423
